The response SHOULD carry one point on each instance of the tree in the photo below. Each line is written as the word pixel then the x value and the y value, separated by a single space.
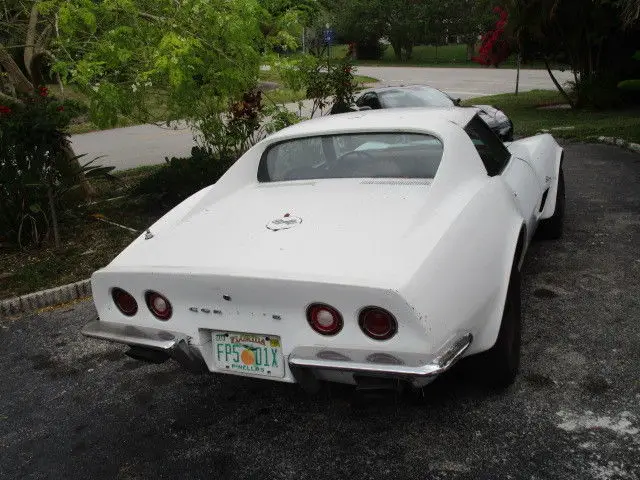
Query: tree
pixel 362 22
pixel 630 12
pixel 586 35
pixel 495 47
pixel 467 18
pixel 25 54
pixel 405 21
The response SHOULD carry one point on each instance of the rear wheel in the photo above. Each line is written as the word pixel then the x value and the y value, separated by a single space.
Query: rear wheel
pixel 551 228
pixel 499 365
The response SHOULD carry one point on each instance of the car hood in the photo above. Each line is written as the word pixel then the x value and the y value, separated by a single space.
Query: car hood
pixel 327 230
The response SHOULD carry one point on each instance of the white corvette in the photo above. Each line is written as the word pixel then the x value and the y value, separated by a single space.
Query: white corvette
pixel 375 247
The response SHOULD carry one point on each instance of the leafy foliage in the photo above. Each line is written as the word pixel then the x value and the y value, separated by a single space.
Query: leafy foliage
pixel 494 47
pixel 588 36
pixel 35 173
pixel 246 122
pixel 181 177
pixel 325 80
pixel 406 23
pixel 196 54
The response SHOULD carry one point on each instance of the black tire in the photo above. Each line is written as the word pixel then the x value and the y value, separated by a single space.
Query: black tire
pixel 551 228
pixel 499 365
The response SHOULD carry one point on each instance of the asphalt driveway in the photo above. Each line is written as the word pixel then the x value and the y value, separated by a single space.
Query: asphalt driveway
pixel 73 408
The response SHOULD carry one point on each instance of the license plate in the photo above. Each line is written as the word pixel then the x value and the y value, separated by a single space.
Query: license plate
pixel 248 353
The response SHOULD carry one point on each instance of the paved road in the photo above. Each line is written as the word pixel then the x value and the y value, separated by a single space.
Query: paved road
pixel 148 145
pixel 73 408
pixel 465 82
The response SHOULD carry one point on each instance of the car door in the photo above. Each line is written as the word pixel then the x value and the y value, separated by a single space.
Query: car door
pixel 518 175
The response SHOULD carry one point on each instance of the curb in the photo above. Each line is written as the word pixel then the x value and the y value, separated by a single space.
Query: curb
pixel 45 298
pixel 634 147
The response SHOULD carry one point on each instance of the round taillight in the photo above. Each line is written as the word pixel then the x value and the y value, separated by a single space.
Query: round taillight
pixel 159 305
pixel 377 323
pixel 324 319
pixel 124 301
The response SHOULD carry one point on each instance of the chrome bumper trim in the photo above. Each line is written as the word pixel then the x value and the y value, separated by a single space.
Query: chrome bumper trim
pixel 138 336
pixel 176 345
pixel 371 362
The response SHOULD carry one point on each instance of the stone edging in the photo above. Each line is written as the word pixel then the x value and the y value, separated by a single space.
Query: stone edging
pixel 45 298
pixel 634 147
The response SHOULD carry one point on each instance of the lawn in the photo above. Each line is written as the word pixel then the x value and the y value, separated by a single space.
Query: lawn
pixel 286 95
pixel 453 55
pixel 528 118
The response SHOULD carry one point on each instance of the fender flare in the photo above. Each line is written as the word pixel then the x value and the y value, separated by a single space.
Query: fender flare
pixel 488 336
pixel 550 206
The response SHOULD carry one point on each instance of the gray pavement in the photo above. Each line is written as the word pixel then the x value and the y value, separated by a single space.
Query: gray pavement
pixel 74 408
pixel 148 144
pixel 466 82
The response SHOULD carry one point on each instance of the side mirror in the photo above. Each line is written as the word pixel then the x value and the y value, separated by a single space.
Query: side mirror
pixel 457 102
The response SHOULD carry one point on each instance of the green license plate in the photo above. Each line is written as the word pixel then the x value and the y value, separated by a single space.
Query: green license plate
pixel 248 353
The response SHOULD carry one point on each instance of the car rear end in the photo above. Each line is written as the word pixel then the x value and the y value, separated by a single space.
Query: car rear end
pixel 282 329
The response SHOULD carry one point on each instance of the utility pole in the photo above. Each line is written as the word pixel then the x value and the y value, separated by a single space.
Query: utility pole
pixel 518 59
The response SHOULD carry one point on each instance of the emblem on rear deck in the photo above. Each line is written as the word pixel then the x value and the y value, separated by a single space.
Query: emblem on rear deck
pixel 284 222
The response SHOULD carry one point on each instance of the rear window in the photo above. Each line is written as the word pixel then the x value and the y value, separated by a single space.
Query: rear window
pixel 365 155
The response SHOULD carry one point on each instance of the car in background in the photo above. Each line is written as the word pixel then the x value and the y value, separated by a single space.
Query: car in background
pixel 426 96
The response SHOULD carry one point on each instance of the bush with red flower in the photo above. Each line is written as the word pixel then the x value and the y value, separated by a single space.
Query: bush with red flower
pixel 34 168
pixel 494 46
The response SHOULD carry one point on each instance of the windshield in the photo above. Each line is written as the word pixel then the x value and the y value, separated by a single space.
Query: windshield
pixel 353 155
pixel 418 97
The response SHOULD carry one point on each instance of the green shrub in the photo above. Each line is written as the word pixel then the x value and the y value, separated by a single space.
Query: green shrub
pixel 37 167
pixel 630 85
pixel 370 50
pixel 630 90
pixel 597 91
pixel 182 177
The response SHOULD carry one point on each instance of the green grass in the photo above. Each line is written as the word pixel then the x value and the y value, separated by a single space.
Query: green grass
pixel 286 95
pixel 529 119
pixel 454 55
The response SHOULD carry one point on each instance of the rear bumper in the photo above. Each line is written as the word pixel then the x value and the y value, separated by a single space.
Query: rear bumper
pixel 418 369
pixel 306 363
pixel 173 345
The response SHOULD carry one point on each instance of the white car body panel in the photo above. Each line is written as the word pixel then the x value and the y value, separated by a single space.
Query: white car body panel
pixel 435 253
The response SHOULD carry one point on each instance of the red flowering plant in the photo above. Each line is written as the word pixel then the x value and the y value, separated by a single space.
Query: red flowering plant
pixel 494 47
pixel 248 120
pixel 34 168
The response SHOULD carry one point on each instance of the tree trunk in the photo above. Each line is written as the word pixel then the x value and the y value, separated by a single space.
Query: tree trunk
pixel 16 77
pixel 397 49
pixel 518 76
pixel 54 217
pixel 409 51
pixel 471 50
pixel 558 86
pixel 30 40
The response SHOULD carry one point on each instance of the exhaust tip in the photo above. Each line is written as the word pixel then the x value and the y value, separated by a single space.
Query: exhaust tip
pixel 148 355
